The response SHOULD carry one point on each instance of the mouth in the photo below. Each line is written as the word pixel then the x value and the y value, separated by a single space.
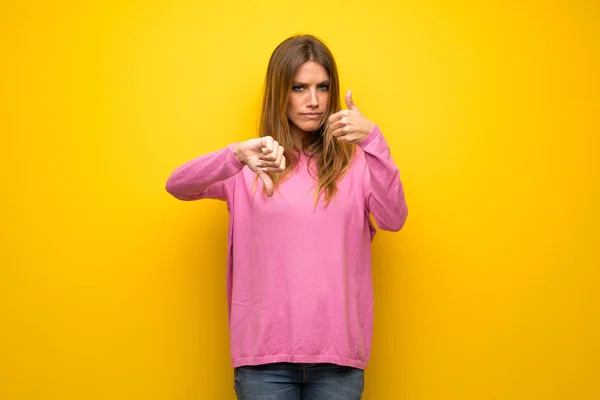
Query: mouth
pixel 312 115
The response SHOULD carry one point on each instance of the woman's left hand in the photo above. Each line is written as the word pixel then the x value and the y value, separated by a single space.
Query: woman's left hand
pixel 350 125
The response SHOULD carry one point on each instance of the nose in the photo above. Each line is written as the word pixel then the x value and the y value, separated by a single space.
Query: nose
pixel 313 100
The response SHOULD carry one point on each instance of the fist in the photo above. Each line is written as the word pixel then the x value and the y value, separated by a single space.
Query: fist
pixel 350 125
pixel 263 156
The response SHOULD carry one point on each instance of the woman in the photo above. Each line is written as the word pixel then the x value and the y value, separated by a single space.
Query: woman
pixel 300 299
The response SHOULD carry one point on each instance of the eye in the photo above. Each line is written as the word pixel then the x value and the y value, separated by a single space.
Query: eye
pixel 297 88
pixel 324 87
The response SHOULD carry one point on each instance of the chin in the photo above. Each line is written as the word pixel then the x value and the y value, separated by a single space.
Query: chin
pixel 309 127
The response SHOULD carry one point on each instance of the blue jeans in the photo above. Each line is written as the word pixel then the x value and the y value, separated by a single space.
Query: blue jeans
pixel 296 381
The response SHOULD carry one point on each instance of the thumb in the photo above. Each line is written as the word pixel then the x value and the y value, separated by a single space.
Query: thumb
pixel 349 102
pixel 267 182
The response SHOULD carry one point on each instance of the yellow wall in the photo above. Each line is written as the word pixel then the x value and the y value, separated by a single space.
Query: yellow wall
pixel 111 289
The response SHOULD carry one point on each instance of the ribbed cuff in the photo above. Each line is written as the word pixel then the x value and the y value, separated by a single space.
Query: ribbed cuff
pixel 369 138
pixel 232 157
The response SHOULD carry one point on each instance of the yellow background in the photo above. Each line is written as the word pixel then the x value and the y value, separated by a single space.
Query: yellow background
pixel 112 289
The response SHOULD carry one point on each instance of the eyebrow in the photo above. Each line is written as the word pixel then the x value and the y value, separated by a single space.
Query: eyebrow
pixel 304 84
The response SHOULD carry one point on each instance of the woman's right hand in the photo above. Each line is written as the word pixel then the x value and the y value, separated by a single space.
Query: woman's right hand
pixel 263 156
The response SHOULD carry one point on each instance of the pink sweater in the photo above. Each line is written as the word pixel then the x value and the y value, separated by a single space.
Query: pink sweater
pixel 298 279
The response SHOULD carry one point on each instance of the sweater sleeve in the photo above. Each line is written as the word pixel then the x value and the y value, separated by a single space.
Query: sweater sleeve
pixel 384 193
pixel 210 176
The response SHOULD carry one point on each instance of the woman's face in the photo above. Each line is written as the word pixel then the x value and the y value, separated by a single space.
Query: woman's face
pixel 309 97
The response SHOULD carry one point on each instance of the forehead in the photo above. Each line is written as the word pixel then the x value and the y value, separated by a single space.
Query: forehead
pixel 311 72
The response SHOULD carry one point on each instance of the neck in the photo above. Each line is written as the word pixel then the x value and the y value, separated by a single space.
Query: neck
pixel 298 136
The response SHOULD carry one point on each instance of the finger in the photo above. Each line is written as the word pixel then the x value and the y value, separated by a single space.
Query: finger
pixel 272 164
pixel 339 124
pixel 268 164
pixel 340 132
pixel 338 115
pixel 349 102
pixel 267 145
pixel 272 170
pixel 345 139
pixel 271 155
pixel 283 164
pixel 280 155
pixel 275 153
pixel 267 182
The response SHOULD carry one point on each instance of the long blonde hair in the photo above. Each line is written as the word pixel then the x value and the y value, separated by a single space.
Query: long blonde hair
pixel 332 157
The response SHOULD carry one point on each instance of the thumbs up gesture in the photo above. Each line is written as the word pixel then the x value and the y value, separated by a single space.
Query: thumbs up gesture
pixel 263 156
pixel 350 125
